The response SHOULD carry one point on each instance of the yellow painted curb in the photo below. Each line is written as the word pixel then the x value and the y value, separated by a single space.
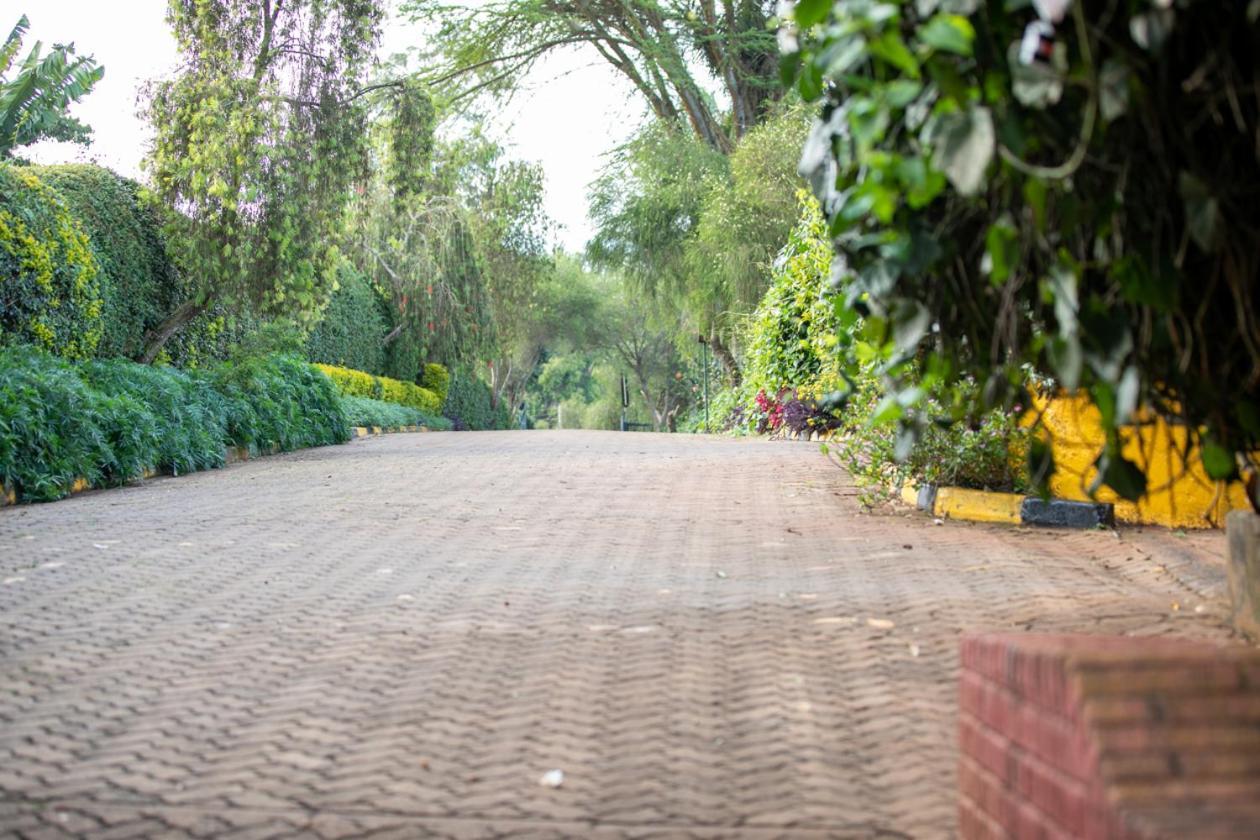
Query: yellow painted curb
pixel 79 485
pixel 910 495
pixel 978 505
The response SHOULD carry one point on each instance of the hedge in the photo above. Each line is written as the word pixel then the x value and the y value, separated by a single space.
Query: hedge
pixel 470 405
pixel 352 332
pixel 138 282
pixel 110 421
pixel 49 288
pixel 362 411
pixel 357 383
pixel 437 379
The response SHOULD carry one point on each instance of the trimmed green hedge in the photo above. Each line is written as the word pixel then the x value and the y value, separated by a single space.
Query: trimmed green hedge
pixel 109 421
pixel 139 284
pixel 437 379
pixel 356 383
pixel 362 411
pixel 352 332
pixel 470 406
pixel 50 293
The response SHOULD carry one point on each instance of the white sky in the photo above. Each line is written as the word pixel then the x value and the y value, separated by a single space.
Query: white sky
pixel 573 110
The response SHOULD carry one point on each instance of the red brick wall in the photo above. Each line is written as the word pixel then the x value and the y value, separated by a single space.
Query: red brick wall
pixel 1101 737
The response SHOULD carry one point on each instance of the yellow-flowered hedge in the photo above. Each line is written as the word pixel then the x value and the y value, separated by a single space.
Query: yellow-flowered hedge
pixel 356 383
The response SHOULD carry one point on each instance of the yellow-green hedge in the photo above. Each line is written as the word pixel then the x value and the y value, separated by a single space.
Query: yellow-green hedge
pixel 356 383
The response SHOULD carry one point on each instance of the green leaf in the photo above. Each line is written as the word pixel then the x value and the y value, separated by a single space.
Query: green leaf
pixel 1113 89
pixel 964 144
pixel 1218 461
pixel 902 92
pixel 948 33
pixel 1038 85
pixel 809 12
pixel 893 50
pixel 810 81
pixel 1001 248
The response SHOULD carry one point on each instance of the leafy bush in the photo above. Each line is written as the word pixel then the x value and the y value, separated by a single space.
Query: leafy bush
pixel 353 383
pixel 279 401
pixel 356 383
pixel 1000 207
pixel 361 411
pixel 352 331
pixel 437 379
pixel 410 394
pixel 987 454
pixel 470 406
pixel 109 421
pixel 794 334
pixel 139 285
pixel 180 419
pixel 49 288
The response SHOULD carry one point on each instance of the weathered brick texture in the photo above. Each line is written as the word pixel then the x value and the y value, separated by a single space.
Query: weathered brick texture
pixel 1107 737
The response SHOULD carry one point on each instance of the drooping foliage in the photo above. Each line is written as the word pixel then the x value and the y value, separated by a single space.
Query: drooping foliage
pixel 667 50
pixel 50 292
pixel 35 92
pixel 452 235
pixel 697 229
pixel 1081 208
pixel 260 136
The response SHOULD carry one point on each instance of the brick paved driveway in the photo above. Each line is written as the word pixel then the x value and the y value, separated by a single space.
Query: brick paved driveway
pixel 403 635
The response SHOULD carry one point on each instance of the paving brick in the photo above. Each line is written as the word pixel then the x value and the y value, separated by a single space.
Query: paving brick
pixel 401 635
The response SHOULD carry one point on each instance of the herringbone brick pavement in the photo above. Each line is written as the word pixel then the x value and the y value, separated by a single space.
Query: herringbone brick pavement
pixel 400 636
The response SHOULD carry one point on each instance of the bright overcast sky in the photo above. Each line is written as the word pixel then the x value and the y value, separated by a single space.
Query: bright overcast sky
pixel 573 110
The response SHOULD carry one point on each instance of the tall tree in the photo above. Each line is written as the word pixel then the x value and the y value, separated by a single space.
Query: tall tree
pixel 260 137
pixel 33 102
pixel 671 51
pixel 699 229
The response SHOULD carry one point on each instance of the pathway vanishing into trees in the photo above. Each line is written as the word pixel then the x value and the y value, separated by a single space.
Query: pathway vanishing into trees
pixel 707 636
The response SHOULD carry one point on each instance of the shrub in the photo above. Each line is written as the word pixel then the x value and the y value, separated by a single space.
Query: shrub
pixel 352 331
pixel 49 289
pixel 181 425
pixel 437 379
pixel 279 401
pixel 109 421
pixel 361 411
pixel 988 453
pixel 356 383
pixel 48 430
pixel 1083 208
pixel 470 405
pixel 138 282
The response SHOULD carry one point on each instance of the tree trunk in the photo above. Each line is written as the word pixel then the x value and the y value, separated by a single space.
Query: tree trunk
pixel 726 358
pixel 159 335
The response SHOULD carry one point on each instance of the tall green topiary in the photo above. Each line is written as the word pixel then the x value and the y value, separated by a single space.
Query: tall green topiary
pixel 49 289
pixel 139 283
